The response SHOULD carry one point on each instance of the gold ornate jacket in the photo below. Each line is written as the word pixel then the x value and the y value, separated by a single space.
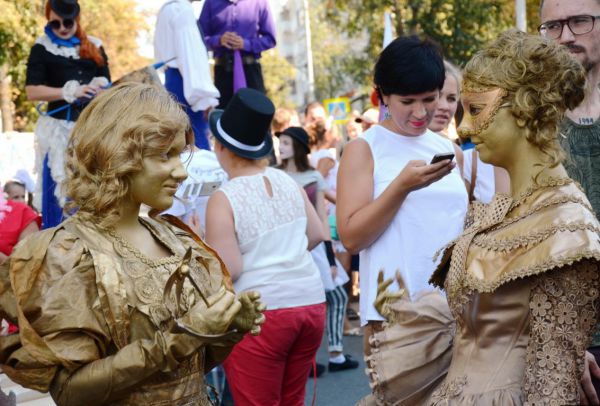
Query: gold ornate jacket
pixel 94 328
pixel 522 283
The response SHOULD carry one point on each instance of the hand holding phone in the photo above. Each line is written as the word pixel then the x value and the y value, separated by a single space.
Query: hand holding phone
pixel 441 157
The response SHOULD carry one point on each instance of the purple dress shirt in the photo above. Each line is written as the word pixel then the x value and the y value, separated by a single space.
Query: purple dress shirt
pixel 250 19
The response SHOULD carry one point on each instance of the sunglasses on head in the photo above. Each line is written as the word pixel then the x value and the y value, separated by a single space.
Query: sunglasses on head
pixel 67 23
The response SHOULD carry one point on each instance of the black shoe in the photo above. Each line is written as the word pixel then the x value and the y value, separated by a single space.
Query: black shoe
pixel 348 364
pixel 320 370
pixel 352 315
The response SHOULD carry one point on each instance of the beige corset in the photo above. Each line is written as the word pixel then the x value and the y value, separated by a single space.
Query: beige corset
pixel 489 351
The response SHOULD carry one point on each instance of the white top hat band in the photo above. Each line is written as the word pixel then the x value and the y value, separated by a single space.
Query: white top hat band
pixel 236 143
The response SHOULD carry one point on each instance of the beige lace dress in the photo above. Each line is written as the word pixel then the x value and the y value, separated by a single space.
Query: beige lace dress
pixel 522 284
pixel 94 328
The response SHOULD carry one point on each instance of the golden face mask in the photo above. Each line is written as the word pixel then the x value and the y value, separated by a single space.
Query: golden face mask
pixel 480 107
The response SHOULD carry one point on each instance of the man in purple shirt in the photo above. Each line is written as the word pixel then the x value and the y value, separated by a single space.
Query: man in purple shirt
pixel 230 25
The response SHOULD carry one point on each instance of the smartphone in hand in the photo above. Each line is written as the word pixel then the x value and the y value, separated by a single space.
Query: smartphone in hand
pixel 441 157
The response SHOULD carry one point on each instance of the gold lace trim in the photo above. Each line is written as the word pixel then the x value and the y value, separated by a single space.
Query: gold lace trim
pixel 534 238
pixel 545 183
pixel 125 248
pixel 474 284
pixel 563 314
pixel 449 389
pixel 547 203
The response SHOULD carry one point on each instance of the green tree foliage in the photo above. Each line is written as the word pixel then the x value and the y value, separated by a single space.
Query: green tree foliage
pixel 115 22
pixel 461 27
pixel 19 26
pixel 339 64
pixel 278 73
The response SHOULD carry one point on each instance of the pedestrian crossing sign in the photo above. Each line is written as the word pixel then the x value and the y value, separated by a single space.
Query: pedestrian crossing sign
pixel 338 108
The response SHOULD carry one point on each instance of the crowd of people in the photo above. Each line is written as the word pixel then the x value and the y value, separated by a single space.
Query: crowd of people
pixel 197 225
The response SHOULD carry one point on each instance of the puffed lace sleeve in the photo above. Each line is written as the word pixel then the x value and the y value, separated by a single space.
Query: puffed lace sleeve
pixel 563 313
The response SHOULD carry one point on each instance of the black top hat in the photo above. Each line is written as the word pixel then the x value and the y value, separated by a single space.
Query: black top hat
pixel 243 127
pixel 297 133
pixel 65 8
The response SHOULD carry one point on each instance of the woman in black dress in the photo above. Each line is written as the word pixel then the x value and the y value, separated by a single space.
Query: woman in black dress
pixel 66 68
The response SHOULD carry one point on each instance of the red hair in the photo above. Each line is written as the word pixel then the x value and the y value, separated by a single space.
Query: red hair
pixel 87 49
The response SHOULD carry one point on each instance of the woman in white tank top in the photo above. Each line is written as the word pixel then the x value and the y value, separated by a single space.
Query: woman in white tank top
pixel 393 206
pixel 262 225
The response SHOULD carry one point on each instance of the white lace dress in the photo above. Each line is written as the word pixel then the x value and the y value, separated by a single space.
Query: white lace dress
pixel 271 232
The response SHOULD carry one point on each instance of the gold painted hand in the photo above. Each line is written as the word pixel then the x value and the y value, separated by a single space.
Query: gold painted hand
pixel 250 317
pixel 384 297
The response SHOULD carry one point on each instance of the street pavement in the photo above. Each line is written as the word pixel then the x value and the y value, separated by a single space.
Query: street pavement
pixel 342 388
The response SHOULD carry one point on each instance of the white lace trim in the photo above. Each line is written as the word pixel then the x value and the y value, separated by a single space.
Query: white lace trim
pixel 254 212
pixel 51 47
pixel 69 90
pixel 52 138
pixel 66 52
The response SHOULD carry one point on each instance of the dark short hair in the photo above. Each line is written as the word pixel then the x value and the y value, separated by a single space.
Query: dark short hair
pixel 12 183
pixel 409 65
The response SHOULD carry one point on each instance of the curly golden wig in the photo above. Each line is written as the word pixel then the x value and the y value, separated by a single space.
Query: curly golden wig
pixel 114 133
pixel 542 81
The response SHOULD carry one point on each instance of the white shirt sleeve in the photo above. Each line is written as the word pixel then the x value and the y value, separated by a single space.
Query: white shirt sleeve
pixel 467 162
pixel 178 36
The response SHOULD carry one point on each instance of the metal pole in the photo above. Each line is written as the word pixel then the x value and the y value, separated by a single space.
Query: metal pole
pixel 521 13
pixel 310 94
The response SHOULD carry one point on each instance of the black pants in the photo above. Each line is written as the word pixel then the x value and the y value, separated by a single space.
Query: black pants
pixel 224 81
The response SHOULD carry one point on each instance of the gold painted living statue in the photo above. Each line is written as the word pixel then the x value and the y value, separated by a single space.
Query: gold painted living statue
pixel 114 308
pixel 522 281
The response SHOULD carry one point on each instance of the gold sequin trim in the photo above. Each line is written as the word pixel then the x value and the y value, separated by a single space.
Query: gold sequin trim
pixel 509 244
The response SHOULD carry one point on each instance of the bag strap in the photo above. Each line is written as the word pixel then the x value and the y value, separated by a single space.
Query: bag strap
pixel 473 175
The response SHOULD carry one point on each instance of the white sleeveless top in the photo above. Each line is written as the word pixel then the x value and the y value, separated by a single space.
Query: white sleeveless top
pixel 428 219
pixel 271 232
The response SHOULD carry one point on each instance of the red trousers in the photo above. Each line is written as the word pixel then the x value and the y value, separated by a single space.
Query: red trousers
pixel 272 368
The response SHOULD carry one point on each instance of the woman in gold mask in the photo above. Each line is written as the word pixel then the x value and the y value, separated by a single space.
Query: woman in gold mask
pixel 522 281
pixel 115 308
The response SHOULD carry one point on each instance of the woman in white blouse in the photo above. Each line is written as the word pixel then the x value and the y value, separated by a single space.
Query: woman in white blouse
pixel 262 225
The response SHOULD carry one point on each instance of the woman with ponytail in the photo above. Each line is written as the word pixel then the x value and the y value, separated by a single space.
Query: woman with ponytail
pixel 66 68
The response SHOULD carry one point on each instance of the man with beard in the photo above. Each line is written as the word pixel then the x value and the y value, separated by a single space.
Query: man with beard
pixel 576 25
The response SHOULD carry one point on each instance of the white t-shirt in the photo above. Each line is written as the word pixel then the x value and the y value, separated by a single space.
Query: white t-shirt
pixel 204 171
pixel 271 232
pixel 428 219
pixel 331 178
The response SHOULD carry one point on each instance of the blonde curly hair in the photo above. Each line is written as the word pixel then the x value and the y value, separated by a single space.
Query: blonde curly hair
pixel 114 133
pixel 542 81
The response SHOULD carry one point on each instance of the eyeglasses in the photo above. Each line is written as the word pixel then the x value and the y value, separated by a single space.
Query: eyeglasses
pixel 578 25
pixel 67 23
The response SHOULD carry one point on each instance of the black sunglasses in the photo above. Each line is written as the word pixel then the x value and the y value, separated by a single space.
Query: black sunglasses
pixel 67 23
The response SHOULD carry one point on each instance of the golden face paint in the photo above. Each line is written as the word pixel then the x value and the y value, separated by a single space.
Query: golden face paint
pixel 480 107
